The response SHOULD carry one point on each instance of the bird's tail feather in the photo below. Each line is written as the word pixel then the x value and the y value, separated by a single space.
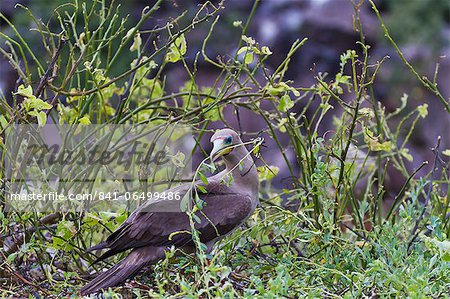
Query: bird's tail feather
pixel 99 246
pixel 125 269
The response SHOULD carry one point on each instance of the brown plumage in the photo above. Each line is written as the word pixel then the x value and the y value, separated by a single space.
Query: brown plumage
pixel 149 234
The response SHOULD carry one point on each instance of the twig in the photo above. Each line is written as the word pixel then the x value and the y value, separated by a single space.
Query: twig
pixel 47 74
pixel 60 90
pixel 31 229
pixel 294 245
pixel 126 94
pixel 49 219
pixel 403 190
pixel 356 233
pixel 430 188
pixel 21 278
pixel 236 109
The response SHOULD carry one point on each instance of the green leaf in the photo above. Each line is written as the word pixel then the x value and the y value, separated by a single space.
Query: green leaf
pixel 243 50
pixel 281 124
pixel 203 246
pixel 143 70
pixel 213 113
pixel 43 105
pixel 266 173
pixel 3 122
pixel 112 89
pixel 276 90
pixel 325 107
pixel 40 115
pixel 199 203
pixel 265 50
pixel 405 153
pixel 404 101
pixel 25 91
pixel 248 40
pixel 11 257
pixel 177 49
pixel 346 56
pixel 202 189
pixel 423 110
pixel 107 216
pixel 99 75
pixel 91 219
pixel 367 112
pixel 196 218
pixel 85 120
pixel 36 103
pixel 109 110
pixel 446 152
pixel 443 247
pixel 150 88
pixel 137 42
pixel 285 103
pixel 65 231
pixel 212 167
pixel 184 203
pixel 280 88
pixel 42 118
pixel 203 178
pixel 31 102
pixel 121 218
pixel 341 79
pixel 248 58
pixel 373 143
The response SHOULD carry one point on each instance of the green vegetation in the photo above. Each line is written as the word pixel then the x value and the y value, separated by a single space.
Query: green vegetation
pixel 417 21
pixel 335 233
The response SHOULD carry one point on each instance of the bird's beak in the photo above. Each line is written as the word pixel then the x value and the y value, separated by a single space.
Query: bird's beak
pixel 219 150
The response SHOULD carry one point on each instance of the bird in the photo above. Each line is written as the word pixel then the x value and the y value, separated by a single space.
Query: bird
pixel 230 197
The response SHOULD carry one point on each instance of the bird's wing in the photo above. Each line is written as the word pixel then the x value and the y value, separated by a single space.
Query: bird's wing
pixel 223 210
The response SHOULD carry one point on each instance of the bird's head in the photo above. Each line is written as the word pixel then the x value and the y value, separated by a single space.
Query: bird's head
pixel 224 142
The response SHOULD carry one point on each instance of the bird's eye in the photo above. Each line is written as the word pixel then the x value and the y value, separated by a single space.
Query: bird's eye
pixel 228 140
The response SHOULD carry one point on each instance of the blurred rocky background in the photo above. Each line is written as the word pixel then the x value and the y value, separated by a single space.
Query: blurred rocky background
pixel 420 27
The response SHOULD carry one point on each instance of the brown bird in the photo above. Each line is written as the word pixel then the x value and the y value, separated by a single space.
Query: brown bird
pixel 149 234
